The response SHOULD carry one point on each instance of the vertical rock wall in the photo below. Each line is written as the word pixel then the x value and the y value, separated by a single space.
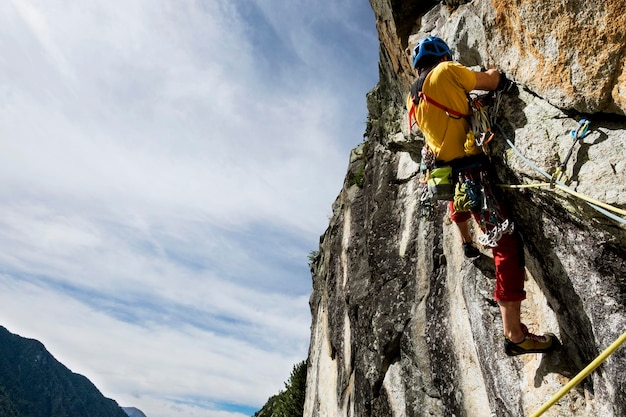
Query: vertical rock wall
pixel 403 324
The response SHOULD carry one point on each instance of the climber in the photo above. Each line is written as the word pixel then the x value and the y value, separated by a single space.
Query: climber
pixel 438 101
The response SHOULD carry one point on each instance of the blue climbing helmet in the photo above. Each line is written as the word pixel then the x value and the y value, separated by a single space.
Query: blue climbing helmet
pixel 431 46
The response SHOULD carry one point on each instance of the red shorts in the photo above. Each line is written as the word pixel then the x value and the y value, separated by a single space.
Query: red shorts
pixel 508 257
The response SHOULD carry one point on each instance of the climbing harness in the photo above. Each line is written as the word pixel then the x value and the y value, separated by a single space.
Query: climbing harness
pixel 479 191
pixel 473 192
pixel 477 194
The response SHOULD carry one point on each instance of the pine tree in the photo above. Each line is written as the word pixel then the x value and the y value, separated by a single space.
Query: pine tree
pixel 290 402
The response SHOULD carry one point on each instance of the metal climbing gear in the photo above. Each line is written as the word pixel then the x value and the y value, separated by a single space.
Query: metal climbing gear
pixel 484 110
pixel 609 211
pixel 491 237
pixel 480 122
pixel 479 198
pixel 577 134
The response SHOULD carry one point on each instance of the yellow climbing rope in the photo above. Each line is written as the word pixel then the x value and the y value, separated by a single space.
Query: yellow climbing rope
pixel 570 191
pixel 581 375
pixel 554 183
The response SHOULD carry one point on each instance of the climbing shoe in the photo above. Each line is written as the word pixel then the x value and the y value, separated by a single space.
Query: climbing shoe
pixel 532 343
pixel 470 250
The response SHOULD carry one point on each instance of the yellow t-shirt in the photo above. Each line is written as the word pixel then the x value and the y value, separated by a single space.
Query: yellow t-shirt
pixel 448 83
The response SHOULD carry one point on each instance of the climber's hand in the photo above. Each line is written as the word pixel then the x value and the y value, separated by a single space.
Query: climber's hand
pixel 505 85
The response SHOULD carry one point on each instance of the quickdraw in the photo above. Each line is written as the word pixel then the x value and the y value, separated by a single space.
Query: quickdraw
pixel 577 134
pixel 491 237
pixel 481 125
pixel 483 116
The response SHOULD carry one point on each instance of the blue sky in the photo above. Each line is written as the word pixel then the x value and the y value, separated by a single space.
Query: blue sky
pixel 165 169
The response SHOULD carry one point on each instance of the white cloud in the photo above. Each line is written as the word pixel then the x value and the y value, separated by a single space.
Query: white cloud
pixel 154 115
pixel 165 167
pixel 154 362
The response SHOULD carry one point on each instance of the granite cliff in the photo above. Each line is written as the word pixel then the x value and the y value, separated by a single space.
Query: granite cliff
pixel 402 323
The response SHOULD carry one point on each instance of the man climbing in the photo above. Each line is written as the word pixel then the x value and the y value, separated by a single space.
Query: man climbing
pixel 439 103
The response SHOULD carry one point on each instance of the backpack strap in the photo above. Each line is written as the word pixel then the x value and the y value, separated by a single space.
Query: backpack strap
pixel 417 94
pixel 450 112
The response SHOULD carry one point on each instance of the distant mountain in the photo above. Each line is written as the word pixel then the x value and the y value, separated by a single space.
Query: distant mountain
pixel 133 412
pixel 34 384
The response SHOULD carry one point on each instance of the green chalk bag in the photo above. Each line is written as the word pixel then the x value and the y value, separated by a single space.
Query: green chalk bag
pixel 440 183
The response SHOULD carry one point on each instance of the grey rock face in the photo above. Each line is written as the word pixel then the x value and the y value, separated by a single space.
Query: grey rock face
pixel 403 324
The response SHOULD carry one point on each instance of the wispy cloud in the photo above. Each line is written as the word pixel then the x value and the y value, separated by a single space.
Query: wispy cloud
pixel 165 168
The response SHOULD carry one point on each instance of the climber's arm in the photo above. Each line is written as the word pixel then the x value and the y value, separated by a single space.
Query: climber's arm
pixel 487 80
